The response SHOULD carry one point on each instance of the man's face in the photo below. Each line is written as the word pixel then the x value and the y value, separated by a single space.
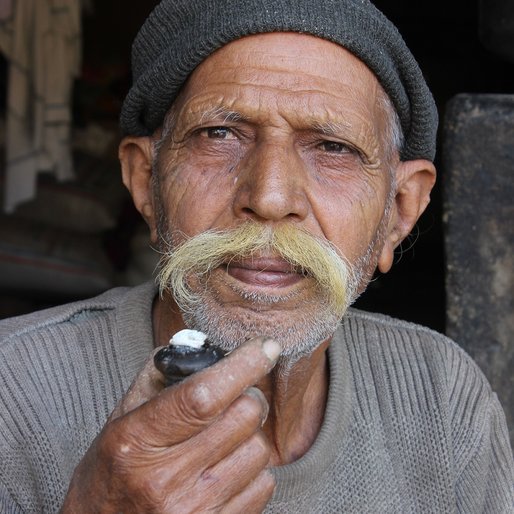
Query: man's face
pixel 277 129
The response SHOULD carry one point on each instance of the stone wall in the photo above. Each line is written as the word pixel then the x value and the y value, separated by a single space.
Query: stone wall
pixel 478 185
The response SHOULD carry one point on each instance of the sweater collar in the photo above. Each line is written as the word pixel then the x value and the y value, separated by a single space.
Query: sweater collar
pixel 292 480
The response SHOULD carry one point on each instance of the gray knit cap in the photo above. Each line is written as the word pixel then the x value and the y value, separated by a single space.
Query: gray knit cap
pixel 179 34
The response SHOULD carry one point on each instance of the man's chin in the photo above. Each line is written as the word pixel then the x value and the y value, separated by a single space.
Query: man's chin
pixel 299 331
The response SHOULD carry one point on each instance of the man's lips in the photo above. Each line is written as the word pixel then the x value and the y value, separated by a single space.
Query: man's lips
pixel 264 272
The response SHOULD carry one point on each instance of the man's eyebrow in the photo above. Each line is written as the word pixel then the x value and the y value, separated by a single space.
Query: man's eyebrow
pixel 330 128
pixel 222 114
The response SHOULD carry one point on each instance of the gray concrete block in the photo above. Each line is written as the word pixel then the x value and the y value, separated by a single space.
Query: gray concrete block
pixel 478 189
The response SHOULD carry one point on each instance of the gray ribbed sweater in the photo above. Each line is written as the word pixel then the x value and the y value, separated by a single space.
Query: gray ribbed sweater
pixel 411 424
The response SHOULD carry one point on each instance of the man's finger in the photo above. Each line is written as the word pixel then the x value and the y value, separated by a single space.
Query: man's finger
pixel 238 423
pixel 181 411
pixel 238 469
pixel 254 498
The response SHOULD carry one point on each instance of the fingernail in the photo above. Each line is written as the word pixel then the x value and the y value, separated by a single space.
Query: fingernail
pixel 271 349
pixel 256 393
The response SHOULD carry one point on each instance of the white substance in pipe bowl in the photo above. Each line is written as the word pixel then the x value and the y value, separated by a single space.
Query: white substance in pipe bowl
pixel 186 337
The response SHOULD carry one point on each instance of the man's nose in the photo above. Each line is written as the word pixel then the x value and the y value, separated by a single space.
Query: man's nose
pixel 272 185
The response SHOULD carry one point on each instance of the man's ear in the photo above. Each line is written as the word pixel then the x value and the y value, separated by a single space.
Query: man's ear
pixel 414 181
pixel 136 155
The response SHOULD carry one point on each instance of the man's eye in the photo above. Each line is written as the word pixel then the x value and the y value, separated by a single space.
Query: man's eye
pixel 218 133
pixel 333 147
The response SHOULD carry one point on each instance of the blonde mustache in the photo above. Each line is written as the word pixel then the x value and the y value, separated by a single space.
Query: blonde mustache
pixel 311 256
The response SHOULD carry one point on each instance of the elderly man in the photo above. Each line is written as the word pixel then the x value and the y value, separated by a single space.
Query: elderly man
pixel 279 152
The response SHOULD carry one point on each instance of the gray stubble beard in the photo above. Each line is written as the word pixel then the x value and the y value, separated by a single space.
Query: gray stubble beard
pixel 298 338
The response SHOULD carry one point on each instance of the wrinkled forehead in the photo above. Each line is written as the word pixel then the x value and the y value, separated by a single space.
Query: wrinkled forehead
pixel 296 68
pixel 300 54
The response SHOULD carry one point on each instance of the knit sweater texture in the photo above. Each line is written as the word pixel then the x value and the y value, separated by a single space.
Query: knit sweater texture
pixel 411 424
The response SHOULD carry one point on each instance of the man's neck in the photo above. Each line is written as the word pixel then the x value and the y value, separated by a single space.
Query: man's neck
pixel 297 400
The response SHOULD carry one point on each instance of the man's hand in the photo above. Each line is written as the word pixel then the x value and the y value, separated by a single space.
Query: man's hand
pixel 193 447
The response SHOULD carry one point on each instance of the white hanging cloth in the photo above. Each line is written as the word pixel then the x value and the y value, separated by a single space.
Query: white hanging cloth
pixel 42 42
